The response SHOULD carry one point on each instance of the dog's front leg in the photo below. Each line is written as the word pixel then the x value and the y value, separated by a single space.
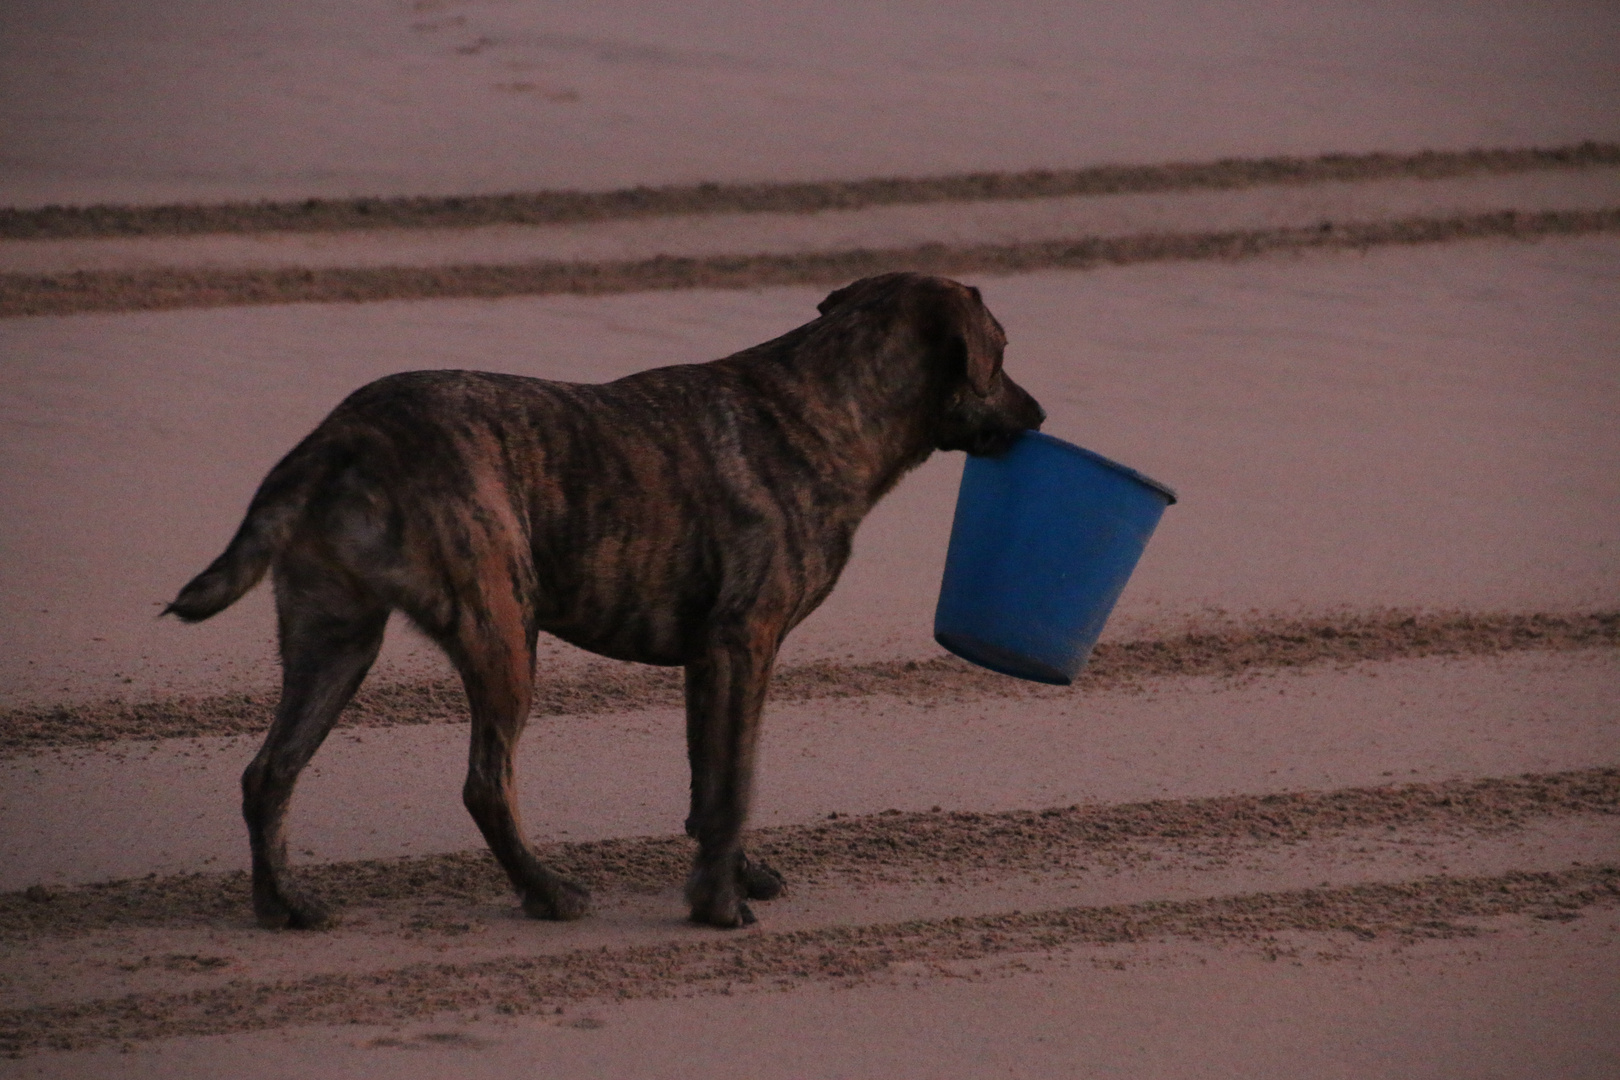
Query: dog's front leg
pixel 725 695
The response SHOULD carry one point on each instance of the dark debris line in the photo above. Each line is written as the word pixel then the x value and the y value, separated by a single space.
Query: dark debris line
pixel 81 291
pixel 1436 907
pixel 1232 651
pixel 554 207
pixel 904 844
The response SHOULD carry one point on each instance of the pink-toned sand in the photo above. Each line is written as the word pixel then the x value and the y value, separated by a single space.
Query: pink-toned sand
pixel 1424 428
pixel 121 101
pixel 901 226
pixel 1537 1005
pixel 132 809
pixel 1421 428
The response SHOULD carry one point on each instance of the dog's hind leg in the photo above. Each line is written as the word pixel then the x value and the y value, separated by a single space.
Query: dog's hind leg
pixel 725 696
pixel 495 654
pixel 330 635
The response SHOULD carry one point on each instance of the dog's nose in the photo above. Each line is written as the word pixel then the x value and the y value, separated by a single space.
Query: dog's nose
pixel 1037 413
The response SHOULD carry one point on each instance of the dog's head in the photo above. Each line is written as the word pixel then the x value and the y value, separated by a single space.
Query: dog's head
pixel 977 408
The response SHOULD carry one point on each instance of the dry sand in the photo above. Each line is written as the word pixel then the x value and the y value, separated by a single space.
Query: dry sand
pixel 1268 425
pixel 216 100
pixel 1339 798
pixel 1531 1001
pixel 1400 459
pixel 1420 428
pixel 900 898
pixel 131 808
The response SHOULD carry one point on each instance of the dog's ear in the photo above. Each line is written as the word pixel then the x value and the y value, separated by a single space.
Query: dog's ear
pixel 859 290
pixel 972 333
pixel 837 297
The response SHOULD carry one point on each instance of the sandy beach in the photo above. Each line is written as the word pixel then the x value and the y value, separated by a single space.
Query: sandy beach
pixel 1340 793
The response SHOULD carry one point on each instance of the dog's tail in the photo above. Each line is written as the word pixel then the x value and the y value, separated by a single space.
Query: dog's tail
pixel 270 520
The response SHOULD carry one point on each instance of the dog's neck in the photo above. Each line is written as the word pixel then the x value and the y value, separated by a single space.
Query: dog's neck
pixel 870 407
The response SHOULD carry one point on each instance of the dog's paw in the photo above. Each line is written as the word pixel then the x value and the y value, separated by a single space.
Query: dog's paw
pixel 285 912
pixel 560 901
pixel 716 899
pixel 724 916
pixel 762 881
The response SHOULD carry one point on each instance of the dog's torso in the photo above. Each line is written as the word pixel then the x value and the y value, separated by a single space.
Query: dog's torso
pixel 630 517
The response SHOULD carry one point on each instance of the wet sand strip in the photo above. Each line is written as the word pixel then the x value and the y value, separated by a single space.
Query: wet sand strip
pixel 608 687
pixel 891 846
pixel 82 291
pixel 559 207
pixel 1436 907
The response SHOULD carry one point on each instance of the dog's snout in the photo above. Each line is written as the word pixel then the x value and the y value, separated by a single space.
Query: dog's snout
pixel 1023 410
pixel 994 425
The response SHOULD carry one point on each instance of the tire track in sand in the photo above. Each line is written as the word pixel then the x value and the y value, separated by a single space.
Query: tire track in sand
pixel 888 845
pixel 560 207
pixel 1225 651
pixel 164 289
pixel 1434 907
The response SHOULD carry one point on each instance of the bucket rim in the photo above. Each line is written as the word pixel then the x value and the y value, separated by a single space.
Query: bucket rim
pixel 1142 478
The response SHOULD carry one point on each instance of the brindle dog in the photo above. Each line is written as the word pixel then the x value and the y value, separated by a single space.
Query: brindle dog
pixel 687 515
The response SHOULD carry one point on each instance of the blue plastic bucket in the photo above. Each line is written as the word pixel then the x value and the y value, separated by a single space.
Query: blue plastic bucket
pixel 1044 539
